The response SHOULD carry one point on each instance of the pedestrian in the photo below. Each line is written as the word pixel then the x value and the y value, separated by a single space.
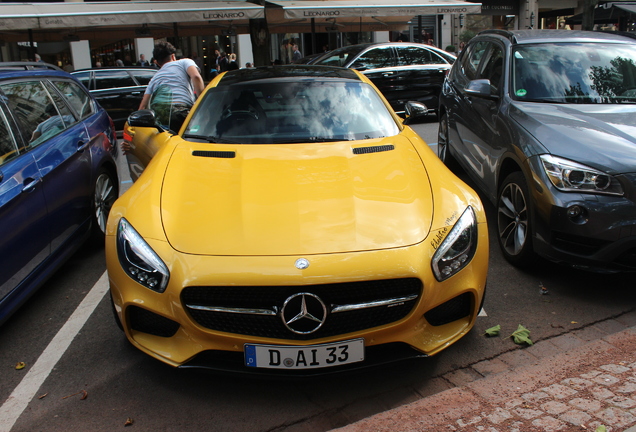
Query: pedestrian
pixel 296 54
pixel 38 58
pixel 173 89
pixel 119 63
pixel 221 62
pixel 197 60
pixel 232 64
pixel 142 61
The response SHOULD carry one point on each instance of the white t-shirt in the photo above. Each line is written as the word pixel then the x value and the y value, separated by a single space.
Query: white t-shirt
pixel 175 76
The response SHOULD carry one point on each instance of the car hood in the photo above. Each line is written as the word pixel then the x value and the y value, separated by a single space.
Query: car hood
pixel 295 199
pixel 600 136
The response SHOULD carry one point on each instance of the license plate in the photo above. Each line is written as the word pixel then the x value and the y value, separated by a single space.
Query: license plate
pixel 304 357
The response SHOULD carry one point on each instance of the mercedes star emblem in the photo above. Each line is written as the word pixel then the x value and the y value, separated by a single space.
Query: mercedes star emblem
pixel 303 313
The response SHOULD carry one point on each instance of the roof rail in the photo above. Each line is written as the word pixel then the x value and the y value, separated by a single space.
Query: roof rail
pixel 28 66
pixel 505 33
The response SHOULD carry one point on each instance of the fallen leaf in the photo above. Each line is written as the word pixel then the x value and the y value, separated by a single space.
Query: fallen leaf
pixel 84 395
pixel 601 428
pixel 521 335
pixel 573 322
pixel 129 422
pixel 42 396
pixel 493 331
pixel 20 365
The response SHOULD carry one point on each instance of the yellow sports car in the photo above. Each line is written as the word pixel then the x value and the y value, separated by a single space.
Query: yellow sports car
pixel 296 223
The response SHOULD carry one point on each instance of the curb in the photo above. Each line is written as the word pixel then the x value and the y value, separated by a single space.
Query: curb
pixel 573 382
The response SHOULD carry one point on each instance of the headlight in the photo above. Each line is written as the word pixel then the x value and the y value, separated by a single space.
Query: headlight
pixel 138 259
pixel 570 176
pixel 458 248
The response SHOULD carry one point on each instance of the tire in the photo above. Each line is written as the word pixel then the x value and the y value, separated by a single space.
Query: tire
pixel 443 151
pixel 105 192
pixel 514 222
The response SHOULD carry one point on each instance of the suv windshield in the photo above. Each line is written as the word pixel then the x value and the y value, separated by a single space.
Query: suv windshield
pixel 575 73
pixel 276 112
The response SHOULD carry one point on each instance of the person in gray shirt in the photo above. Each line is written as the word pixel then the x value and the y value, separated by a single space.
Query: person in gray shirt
pixel 174 88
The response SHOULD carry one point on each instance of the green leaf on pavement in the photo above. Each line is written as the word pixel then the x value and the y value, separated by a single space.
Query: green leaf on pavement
pixel 521 335
pixel 601 428
pixel 493 331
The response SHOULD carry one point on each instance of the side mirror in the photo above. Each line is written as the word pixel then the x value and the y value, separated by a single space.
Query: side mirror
pixel 144 118
pixel 480 88
pixel 415 111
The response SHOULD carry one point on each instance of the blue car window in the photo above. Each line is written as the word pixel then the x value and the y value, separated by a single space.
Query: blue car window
pixel 77 97
pixel 8 147
pixel 34 110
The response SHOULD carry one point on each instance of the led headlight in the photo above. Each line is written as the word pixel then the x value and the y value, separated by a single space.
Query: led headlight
pixel 458 248
pixel 570 176
pixel 138 259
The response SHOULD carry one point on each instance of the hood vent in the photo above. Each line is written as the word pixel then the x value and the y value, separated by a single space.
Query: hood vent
pixel 214 154
pixel 373 149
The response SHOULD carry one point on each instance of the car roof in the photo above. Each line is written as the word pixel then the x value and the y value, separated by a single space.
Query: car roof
pixel 550 36
pixel 294 72
pixel 116 68
pixel 26 69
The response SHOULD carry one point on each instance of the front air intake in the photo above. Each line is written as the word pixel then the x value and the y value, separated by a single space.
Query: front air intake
pixel 373 149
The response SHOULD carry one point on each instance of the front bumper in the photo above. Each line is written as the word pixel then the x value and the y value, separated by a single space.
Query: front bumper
pixel 161 325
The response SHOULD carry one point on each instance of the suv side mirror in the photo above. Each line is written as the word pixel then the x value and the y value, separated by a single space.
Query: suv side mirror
pixel 144 118
pixel 414 111
pixel 480 88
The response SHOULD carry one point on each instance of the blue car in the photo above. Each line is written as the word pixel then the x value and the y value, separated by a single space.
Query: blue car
pixel 58 176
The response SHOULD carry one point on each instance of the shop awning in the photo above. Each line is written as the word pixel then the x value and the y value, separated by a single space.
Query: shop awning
pixel 607 13
pixel 373 8
pixel 21 16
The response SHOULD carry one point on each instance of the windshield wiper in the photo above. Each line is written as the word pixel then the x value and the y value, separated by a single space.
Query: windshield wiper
pixel 210 139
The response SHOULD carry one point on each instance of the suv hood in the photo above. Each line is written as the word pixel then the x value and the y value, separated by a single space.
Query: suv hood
pixel 600 136
pixel 295 199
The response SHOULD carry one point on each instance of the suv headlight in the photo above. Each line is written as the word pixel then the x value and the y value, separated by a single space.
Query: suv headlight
pixel 458 248
pixel 570 176
pixel 138 259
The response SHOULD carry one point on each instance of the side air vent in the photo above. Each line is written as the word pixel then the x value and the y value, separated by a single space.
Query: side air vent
pixel 373 149
pixel 214 154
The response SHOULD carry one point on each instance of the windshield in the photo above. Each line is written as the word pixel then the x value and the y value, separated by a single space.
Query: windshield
pixel 275 111
pixel 575 73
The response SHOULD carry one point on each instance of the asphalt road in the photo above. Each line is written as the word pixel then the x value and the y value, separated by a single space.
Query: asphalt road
pixel 96 381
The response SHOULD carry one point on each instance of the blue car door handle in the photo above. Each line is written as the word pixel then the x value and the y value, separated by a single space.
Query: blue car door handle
pixel 81 146
pixel 30 184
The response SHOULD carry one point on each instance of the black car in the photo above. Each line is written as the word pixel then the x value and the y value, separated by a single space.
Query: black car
pixel 118 89
pixel 401 71
pixel 544 122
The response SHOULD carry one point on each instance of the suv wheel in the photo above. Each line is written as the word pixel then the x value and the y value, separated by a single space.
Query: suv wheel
pixel 104 195
pixel 513 220
pixel 443 151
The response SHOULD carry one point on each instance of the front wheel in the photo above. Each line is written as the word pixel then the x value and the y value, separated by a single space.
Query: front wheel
pixel 514 220
pixel 443 151
pixel 105 193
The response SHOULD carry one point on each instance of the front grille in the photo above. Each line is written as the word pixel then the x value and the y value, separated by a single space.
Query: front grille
pixel 149 322
pixel 272 298
pixel 454 309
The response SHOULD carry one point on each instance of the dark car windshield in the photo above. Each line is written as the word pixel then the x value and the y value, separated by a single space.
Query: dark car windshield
pixel 575 73
pixel 283 111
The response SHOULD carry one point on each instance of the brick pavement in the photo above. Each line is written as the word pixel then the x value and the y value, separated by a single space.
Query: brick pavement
pixel 579 381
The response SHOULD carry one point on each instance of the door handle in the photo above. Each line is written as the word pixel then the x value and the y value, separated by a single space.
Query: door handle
pixel 30 184
pixel 81 146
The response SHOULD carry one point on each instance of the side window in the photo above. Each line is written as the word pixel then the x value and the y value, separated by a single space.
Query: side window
pixel 8 147
pixel 143 76
pixel 35 111
pixel 109 79
pixel 415 55
pixel 493 69
pixel 84 78
pixel 470 63
pixel 373 59
pixel 77 97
